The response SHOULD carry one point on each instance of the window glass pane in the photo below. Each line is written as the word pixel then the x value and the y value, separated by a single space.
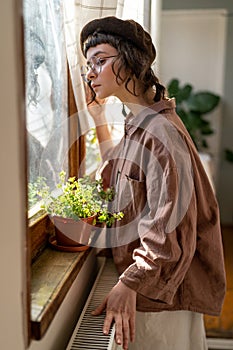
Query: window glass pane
pixel 46 92
pixel 115 114
pixel 93 157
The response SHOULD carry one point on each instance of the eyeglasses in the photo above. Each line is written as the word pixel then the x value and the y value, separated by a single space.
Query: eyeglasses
pixel 95 64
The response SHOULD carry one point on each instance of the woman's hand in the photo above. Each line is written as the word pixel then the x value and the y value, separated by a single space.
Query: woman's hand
pixel 120 305
pixel 97 111
pixel 96 108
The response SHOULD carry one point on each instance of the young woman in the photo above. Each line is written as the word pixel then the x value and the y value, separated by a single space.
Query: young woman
pixel 168 247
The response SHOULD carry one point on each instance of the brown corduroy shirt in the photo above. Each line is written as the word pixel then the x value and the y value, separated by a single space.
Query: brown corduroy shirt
pixel 168 247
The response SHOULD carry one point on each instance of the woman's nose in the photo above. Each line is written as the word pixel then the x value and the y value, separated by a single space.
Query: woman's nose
pixel 91 74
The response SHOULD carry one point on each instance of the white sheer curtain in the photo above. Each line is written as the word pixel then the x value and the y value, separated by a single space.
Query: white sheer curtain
pixel 45 92
pixel 77 13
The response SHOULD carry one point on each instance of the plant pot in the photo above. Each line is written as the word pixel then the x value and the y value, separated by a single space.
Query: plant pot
pixel 73 233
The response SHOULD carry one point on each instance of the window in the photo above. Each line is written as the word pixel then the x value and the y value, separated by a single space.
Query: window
pixel 52 144
pixel 46 93
pixel 115 113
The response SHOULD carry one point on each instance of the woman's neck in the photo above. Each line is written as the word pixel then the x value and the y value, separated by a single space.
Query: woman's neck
pixel 137 103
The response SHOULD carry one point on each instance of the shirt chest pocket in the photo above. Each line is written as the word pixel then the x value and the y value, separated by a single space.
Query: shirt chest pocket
pixel 131 196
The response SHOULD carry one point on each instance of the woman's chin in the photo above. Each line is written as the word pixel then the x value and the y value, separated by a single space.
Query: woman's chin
pixel 100 95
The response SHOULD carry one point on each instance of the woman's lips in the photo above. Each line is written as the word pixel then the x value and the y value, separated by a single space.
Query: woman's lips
pixel 94 86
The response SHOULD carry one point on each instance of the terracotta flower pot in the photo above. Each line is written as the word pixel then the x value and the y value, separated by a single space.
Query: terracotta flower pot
pixel 73 233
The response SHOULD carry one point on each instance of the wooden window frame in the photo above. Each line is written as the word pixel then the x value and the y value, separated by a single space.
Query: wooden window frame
pixel 40 228
pixel 40 225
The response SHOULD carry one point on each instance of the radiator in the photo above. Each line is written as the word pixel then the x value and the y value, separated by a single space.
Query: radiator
pixel 88 332
pixel 219 344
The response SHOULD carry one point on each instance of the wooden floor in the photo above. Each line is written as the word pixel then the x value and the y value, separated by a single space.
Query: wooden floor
pixel 222 327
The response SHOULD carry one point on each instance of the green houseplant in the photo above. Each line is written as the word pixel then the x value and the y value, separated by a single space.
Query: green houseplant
pixel 192 108
pixel 229 155
pixel 76 207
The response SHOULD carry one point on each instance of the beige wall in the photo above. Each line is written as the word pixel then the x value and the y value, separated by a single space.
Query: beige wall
pixel 12 205
pixel 11 189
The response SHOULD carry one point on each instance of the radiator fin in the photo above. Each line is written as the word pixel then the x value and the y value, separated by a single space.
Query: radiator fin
pixel 88 333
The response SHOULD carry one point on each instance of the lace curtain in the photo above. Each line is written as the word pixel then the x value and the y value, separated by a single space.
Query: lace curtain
pixel 45 91
pixel 77 14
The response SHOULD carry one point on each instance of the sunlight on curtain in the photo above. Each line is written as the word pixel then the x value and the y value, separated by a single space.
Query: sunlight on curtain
pixel 155 17
pixel 134 10
pixel 76 15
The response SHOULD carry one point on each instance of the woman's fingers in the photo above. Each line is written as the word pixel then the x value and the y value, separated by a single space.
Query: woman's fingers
pixel 122 328
pixel 126 331
pixel 99 310
pixel 120 305
pixel 109 318
pixel 132 327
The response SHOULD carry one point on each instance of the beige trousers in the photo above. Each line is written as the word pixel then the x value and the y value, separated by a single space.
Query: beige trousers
pixel 169 330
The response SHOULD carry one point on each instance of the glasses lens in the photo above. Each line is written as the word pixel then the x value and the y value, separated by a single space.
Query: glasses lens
pixel 95 65
pixel 84 71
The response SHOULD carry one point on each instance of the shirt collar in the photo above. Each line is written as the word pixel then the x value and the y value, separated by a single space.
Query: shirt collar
pixel 156 108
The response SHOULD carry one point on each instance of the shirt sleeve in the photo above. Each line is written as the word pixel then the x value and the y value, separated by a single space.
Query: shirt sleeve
pixel 168 230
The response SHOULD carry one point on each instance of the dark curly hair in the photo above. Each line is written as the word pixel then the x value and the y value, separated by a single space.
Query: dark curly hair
pixel 130 59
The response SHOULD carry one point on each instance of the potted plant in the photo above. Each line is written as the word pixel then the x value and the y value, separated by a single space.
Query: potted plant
pixel 229 155
pixel 192 107
pixel 76 207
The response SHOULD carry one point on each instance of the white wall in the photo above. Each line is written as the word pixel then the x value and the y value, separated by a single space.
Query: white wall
pixel 225 183
pixel 193 50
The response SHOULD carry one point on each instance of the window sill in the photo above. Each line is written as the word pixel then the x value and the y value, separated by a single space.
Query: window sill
pixel 53 273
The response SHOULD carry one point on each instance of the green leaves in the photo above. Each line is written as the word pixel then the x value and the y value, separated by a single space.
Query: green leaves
pixel 34 189
pixel 203 102
pixel 229 155
pixel 106 217
pixel 191 108
pixel 78 198
pixel 181 94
